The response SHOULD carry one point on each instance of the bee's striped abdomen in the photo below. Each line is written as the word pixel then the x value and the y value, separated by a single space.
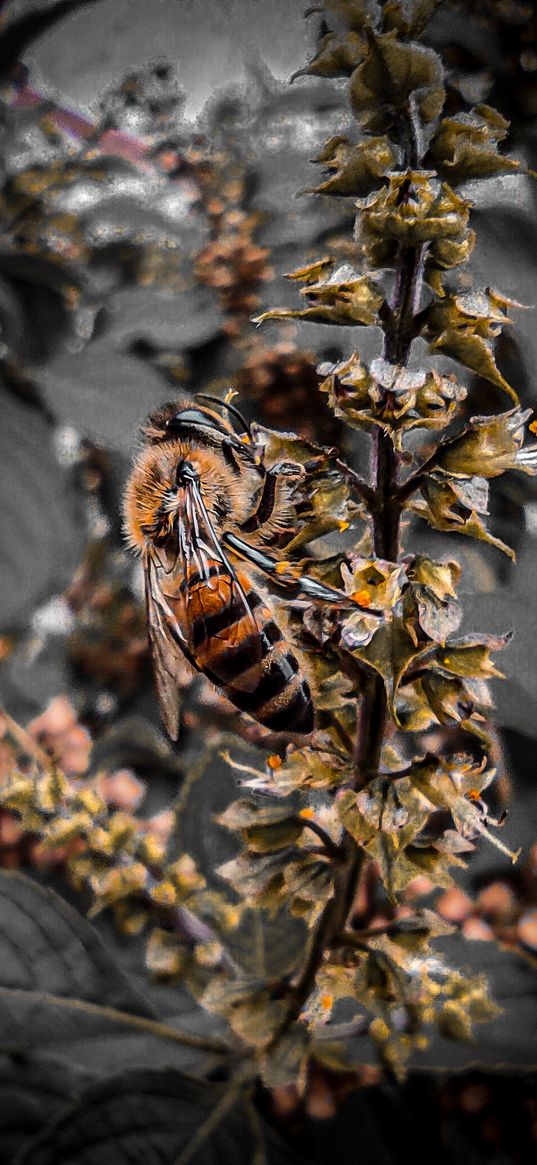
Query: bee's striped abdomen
pixel 241 649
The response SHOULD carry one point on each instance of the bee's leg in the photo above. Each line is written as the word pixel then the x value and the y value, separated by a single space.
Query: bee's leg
pixel 274 509
pixel 285 575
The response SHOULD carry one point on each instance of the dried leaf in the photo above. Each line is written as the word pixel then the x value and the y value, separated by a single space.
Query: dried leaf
pixel 355 169
pixel 447 506
pixel 465 145
pixel 337 56
pixel 463 327
pixel 343 298
pixel 489 446
pixel 409 17
pixel 391 77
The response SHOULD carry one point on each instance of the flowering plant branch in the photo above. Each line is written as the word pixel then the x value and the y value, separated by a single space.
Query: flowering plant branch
pixel 363 797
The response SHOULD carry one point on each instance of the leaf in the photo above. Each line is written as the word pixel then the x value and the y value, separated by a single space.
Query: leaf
pixel 392 74
pixel 33 1091
pixel 61 991
pixel 337 56
pixel 41 531
pixel 465 145
pixel 261 943
pixel 105 394
pixel 409 17
pixel 389 651
pixel 448 784
pixel 431 597
pixel 354 169
pixel 489 446
pixel 342 298
pixel 385 818
pixel 463 327
pixel 264 829
pixel 162 1118
pixel 455 506
pixel 413 209
pixel 470 656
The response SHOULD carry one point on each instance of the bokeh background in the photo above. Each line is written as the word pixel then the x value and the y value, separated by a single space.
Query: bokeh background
pixel 151 158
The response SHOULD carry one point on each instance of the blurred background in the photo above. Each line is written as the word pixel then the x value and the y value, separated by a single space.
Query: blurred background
pixel 152 155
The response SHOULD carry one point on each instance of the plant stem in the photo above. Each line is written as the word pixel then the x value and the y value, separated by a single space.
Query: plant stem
pixel 385 505
pixel 398 334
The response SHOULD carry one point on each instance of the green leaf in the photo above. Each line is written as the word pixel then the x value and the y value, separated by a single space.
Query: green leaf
pixel 394 398
pixel 385 818
pixel 447 783
pixel 431 597
pixel 389 651
pixel 470 656
pixel 412 209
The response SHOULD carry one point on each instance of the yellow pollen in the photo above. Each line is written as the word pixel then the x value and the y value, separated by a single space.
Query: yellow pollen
pixel 363 597
pixel 533 427
pixel 342 525
pixel 274 762
pixel 287 568
pixel 327 1002
pixel 308 814
pixel 474 794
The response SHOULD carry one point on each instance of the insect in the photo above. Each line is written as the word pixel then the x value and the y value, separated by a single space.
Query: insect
pixel 200 508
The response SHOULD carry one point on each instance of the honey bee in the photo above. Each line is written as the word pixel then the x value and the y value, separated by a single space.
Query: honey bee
pixel 200 508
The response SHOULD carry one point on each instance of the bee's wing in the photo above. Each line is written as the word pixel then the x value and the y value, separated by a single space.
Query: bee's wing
pixel 165 638
pixel 218 624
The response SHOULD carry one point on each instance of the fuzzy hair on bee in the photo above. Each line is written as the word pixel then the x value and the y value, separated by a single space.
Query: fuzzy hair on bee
pixel 200 508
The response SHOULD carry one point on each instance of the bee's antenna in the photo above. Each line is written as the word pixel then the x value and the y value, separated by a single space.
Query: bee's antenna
pixel 231 408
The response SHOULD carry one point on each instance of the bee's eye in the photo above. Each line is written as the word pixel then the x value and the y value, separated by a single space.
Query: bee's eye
pixel 188 418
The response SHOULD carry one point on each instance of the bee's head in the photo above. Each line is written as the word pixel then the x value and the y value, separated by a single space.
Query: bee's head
pixel 186 474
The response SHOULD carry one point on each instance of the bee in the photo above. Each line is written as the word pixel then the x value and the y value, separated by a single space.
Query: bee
pixel 200 509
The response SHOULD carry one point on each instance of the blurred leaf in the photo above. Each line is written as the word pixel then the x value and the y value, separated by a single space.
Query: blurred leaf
pixel 50 954
pixel 41 531
pixel 105 394
pixel 267 945
pixel 32 1093
pixel 167 321
pixel 49 947
pixel 160 1118
pixel 263 944
pixel 20 33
